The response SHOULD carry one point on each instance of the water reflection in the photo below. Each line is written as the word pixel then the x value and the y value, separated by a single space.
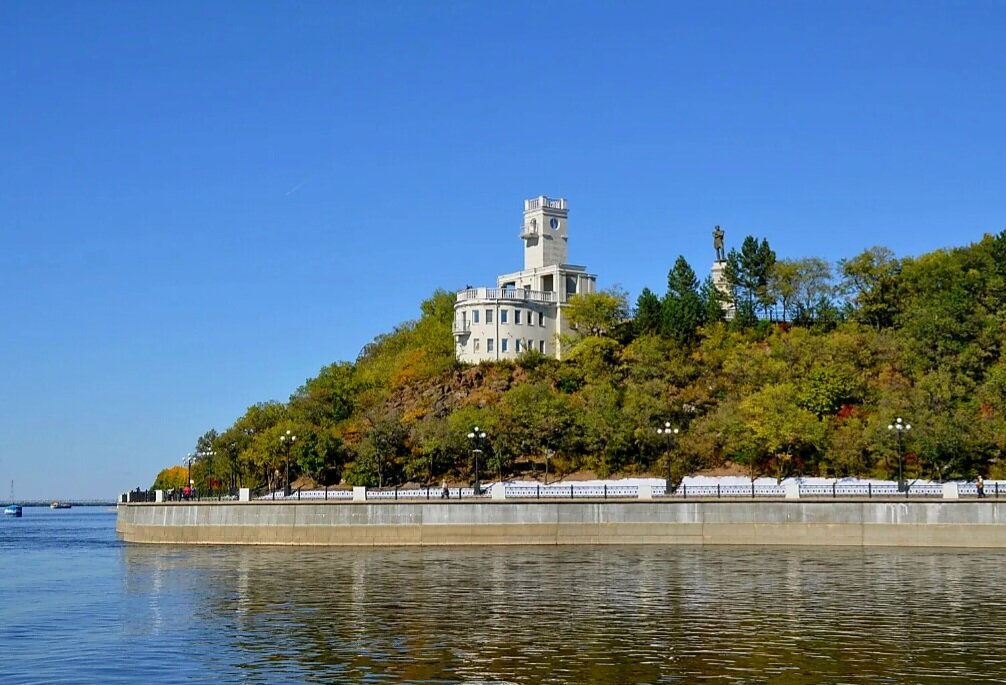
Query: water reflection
pixel 581 614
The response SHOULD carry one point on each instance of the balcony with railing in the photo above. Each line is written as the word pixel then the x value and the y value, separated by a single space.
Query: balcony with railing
pixel 506 295
pixel 462 327
pixel 545 202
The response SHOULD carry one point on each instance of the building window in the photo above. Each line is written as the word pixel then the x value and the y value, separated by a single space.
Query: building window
pixel 503 316
pixel 503 344
pixel 541 318
pixel 490 344
pixel 489 316
pixel 475 316
pixel 518 346
pixel 516 317
pixel 475 344
pixel 541 346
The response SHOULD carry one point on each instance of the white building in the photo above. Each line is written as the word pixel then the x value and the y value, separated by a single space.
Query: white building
pixel 526 309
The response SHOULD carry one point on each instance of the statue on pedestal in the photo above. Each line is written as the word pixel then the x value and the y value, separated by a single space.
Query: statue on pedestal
pixel 718 244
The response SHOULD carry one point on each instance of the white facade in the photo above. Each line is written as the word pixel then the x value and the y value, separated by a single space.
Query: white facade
pixel 525 310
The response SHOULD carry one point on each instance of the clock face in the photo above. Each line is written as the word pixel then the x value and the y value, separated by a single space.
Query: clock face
pixel 554 223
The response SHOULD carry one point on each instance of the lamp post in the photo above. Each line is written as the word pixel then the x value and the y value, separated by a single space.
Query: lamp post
pixel 199 455
pixel 668 432
pixel 900 427
pixel 477 436
pixel 189 458
pixel 287 440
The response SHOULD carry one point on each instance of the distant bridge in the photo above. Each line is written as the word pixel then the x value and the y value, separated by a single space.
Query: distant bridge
pixel 71 502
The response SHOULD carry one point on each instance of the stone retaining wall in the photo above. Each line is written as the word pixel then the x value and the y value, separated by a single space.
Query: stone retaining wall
pixel 873 523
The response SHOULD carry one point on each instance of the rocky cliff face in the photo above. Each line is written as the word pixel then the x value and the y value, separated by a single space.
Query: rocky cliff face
pixel 479 385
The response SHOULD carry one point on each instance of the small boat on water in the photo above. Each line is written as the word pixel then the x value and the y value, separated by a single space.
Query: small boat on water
pixel 12 509
pixel 60 505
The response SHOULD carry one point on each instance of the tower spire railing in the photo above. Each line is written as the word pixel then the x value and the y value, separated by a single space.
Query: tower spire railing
pixel 546 202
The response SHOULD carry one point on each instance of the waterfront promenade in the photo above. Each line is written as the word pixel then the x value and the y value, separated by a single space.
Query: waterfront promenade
pixel 839 520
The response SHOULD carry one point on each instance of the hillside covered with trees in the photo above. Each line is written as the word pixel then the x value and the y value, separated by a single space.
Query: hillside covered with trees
pixel 805 379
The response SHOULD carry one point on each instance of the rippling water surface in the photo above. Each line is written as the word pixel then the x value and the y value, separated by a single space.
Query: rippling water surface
pixel 76 606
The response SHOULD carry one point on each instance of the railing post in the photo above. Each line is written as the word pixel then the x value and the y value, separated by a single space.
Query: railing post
pixel 908 488
pixel 538 491
pixel 427 492
pixel 869 490
pixel 834 489
pixel 606 490
pixel 396 493
pixel 684 491
pixel 997 490
pixel 717 491
pixel 571 491
pixel 326 493
pixel 298 494
pixel 752 489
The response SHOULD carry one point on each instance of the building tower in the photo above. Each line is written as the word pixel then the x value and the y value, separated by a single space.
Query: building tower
pixel 526 309
pixel 545 233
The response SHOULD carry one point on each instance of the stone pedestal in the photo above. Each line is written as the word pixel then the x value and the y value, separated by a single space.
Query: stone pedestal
pixel 244 494
pixel 359 493
pixel 645 492
pixel 792 490
pixel 720 282
pixel 498 491
pixel 951 491
pixel 158 495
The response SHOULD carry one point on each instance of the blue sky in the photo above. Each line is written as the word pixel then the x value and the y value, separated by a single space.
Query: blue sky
pixel 201 204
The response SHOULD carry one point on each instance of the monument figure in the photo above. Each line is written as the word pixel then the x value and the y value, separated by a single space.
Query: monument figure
pixel 718 244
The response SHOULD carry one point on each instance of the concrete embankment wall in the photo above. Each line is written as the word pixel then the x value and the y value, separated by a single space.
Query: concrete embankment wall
pixel 873 523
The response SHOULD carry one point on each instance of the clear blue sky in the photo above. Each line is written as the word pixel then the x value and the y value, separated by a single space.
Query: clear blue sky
pixel 201 204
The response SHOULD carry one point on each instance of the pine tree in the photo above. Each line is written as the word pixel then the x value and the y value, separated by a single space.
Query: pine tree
pixel 648 313
pixel 683 307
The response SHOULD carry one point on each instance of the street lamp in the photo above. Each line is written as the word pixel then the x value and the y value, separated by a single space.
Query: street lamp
pixel 900 427
pixel 477 436
pixel 189 458
pixel 669 434
pixel 200 455
pixel 286 441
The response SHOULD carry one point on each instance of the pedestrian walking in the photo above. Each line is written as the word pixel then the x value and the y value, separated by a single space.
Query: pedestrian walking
pixel 980 486
pixel 445 492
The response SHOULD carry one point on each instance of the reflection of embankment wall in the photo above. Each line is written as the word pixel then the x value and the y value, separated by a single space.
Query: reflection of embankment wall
pixel 868 524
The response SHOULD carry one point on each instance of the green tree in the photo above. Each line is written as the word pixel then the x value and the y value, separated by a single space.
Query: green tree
pixel 869 281
pixel 825 390
pixel 648 313
pixel 328 398
pixel 598 314
pixel 712 302
pixel 748 273
pixel 801 287
pixel 682 306
pixel 784 431
pixel 378 455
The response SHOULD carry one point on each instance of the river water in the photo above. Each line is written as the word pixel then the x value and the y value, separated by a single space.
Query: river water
pixel 78 606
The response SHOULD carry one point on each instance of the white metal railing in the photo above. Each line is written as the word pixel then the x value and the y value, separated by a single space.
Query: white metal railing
pixel 506 294
pixel 559 491
pixel 462 327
